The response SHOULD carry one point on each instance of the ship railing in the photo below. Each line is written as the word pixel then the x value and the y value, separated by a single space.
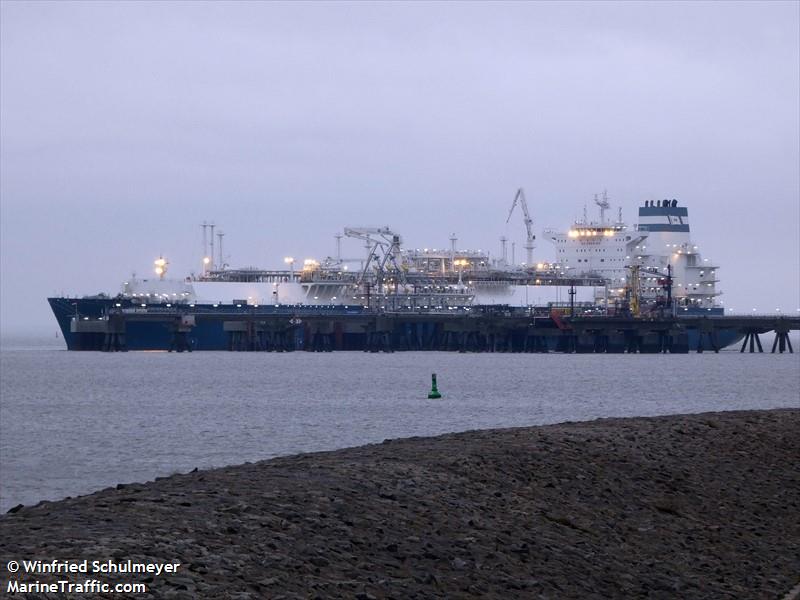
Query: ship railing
pixel 757 315
pixel 149 309
pixel 419 310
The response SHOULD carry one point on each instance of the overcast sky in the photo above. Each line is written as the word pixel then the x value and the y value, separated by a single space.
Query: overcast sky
pixel 125 125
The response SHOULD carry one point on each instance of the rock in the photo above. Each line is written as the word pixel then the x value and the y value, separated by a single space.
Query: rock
pixel 708 512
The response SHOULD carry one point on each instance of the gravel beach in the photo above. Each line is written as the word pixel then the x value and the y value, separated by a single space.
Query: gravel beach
pixel 691 506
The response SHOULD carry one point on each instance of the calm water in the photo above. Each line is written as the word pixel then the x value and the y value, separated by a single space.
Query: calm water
pixel 74 422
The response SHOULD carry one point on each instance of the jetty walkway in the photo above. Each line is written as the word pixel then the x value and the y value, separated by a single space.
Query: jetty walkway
pixel 243 327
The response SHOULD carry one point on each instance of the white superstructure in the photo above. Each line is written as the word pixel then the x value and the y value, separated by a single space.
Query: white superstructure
pixel 596 248
pixel 660 245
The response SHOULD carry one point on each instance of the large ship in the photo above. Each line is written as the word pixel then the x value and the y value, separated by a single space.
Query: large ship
pixel 650 268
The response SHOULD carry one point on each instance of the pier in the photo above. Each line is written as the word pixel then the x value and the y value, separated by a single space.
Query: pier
pixel 287 328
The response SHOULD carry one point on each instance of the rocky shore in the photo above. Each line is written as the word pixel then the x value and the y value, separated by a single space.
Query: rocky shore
pixel 698 506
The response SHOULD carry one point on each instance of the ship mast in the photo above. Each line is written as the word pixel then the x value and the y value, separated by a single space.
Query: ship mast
pixel 604 205
pixel 221 257
pixel 453 240
pixel 212 246
pixel 208 262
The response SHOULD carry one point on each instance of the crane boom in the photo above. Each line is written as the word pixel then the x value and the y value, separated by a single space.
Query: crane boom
pixel 383 250
pixel 519 198
pixel 364 233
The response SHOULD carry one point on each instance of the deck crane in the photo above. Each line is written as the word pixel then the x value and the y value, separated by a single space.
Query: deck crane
pixel 526 217
pixel 383 249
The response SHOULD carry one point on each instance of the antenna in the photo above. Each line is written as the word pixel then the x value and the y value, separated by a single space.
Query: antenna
pixel 453 240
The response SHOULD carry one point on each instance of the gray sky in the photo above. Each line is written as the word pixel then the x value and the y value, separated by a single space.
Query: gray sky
pixel 124 125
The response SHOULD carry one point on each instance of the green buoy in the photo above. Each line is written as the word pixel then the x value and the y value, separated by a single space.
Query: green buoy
pixel 434 393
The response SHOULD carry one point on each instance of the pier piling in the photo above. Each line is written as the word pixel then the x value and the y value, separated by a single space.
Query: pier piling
pixel 481 329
